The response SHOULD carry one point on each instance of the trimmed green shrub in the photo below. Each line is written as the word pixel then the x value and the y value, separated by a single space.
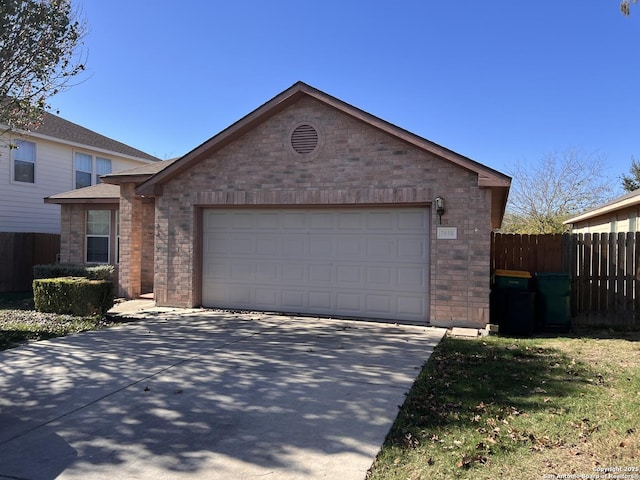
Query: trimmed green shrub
pixel 55 270
pixel 73 295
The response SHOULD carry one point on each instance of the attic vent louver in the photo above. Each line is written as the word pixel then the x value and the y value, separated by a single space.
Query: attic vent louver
pixel 304 139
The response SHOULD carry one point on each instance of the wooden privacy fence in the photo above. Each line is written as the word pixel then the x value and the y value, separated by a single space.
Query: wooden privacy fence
pixel 19 252
pixel 531 253
pixel 604 270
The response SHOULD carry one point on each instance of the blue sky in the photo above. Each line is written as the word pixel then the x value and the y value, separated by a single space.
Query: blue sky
pixel 498 81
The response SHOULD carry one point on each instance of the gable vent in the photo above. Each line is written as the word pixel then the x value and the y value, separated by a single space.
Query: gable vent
pixel 304 139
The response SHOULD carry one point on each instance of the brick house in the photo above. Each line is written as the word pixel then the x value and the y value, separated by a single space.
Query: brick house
pixel 306 205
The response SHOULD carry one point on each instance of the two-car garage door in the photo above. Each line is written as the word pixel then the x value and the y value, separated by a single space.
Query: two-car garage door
pixel 351 262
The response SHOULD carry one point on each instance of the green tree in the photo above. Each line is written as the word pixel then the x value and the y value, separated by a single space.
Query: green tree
pixel 39 43
pixel 631 182
pixel 558 186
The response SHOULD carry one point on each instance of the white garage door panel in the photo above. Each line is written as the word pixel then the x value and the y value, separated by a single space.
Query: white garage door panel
pixel 360 262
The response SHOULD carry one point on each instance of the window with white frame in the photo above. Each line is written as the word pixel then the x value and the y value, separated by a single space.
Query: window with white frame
pixel 98 236
pixel 103 167
pixel 24 161
pixel 89 168
pixel 84 170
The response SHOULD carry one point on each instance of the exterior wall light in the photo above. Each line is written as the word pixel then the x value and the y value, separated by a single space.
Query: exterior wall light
pixel 439 201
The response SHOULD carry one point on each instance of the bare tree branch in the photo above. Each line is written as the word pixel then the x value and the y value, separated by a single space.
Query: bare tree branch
pixel 40 52
pixel 625 6
pixel 547 192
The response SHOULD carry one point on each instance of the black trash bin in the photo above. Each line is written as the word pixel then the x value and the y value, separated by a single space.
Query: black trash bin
pixel 512 302
pixel 553 303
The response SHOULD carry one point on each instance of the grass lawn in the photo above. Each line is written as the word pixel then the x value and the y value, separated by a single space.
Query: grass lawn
pixel 498 407
pixel 19 322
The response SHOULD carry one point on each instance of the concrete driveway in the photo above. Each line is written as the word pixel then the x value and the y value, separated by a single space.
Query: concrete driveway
pixel 202 395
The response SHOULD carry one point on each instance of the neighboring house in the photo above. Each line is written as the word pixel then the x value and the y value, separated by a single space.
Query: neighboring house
pixel 622 214
pixel 306 205
pixel 55 157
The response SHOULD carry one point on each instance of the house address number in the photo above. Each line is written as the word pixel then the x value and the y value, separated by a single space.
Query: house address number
pixel 447 233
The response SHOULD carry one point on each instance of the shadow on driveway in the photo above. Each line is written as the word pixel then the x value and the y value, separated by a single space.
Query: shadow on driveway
pixel 202 394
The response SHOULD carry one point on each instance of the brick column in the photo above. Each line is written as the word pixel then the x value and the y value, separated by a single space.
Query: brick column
pixel 73 230
pixel 131 211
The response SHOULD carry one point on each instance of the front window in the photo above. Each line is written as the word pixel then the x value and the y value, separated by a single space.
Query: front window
pixel 103 167
pixel 89 168
pixel 84 170
pixel 24 162
pixel 98 235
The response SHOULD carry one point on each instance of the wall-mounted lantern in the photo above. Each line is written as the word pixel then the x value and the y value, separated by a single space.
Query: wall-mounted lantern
pixel 439 202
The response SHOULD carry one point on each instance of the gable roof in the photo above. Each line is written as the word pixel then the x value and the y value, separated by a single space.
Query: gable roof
pixel 624 201
pixel 487 177
pixel 57 128
pixel 109 190
pixel 137 174
pixel 100 193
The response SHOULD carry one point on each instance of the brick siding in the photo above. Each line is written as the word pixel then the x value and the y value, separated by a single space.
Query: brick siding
pixel 355 164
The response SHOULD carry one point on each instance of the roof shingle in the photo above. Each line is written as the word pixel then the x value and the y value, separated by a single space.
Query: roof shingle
pixel 57 127
pixel 101 191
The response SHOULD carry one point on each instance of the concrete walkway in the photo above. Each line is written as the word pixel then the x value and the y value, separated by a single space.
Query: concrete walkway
pixel 201 394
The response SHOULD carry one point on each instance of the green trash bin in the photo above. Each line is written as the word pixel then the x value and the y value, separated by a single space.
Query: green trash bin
pixel 512 302
pixel 512 279
pixel 553 301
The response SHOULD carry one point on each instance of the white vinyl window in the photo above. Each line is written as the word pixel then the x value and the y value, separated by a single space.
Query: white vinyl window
pixel 84 170
pixel 24 161
pixel 98 236
pixel 103 166
pixel 89 168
